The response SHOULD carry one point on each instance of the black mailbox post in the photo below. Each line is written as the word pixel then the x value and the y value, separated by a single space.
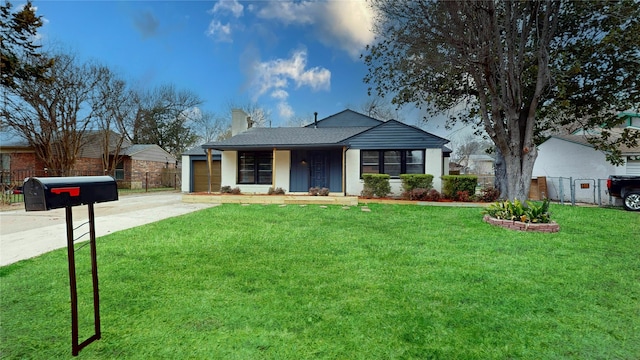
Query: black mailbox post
pixel 41 194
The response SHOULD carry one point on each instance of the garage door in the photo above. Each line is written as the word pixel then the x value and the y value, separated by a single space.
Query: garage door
pixel 633 167
pixel 201 176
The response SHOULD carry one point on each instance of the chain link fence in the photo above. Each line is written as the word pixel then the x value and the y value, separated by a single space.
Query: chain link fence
pixel 586 191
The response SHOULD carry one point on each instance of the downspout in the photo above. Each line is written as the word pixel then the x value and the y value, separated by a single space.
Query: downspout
pixel 210 167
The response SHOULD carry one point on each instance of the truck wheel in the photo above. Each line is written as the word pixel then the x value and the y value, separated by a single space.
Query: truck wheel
pixel 632 201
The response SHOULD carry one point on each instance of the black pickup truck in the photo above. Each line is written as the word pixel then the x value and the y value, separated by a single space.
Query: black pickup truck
pixel 626 187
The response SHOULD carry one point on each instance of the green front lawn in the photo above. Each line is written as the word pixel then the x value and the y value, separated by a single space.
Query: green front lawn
pixel 399 282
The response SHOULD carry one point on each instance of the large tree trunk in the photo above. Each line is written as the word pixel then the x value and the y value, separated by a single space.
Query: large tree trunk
pixel 518 171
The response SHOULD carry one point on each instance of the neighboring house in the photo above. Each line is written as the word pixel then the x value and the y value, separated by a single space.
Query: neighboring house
pixel 478 164
pixel 571 156
pixel 142 164
pixel 333 152
pixel 195 170
pixel 18 160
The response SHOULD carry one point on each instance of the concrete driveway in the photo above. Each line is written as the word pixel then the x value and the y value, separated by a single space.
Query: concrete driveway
pixel 24 235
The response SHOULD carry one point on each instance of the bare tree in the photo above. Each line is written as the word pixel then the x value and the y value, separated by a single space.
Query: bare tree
pixel 53 116
pixel 211 127
pixel 260 116
pixel 379 108
pixel 163 116
pixel 467 146
pixel 114 109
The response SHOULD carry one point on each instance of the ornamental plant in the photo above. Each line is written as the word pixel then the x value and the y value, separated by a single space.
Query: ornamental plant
pixel 376 184
pixel 452 184
pixel 517 211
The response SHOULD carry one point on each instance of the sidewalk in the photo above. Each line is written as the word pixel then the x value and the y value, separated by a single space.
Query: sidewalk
pixel 24 235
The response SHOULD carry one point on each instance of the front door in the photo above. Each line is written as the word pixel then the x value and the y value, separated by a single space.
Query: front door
pixel 318 169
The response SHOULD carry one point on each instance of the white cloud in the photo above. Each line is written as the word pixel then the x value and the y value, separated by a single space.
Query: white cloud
pixel 343 24
pixel 279 94
pixel 231 6
pixel 285 110
pixel 276 74
pixel 220 32
pixel 290 12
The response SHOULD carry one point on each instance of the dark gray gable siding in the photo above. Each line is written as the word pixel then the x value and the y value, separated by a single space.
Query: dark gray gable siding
pixel 346 118
pixel 395 135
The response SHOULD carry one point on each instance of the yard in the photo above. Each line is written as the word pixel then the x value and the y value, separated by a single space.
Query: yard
pixel 399 282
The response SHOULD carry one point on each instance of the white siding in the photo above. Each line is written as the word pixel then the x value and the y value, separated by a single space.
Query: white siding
pixel 229 161
pixel 354 183
pixel 561 158
pixel 283 169
pixel 186 174
pixel 433 166
pixel 633 167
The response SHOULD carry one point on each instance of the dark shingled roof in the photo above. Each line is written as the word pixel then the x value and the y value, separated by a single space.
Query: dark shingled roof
pixel 287 137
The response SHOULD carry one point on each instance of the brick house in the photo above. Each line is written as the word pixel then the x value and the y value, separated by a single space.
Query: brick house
pixel 139 165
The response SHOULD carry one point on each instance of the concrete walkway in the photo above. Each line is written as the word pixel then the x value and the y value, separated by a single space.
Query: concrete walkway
pixel 24 235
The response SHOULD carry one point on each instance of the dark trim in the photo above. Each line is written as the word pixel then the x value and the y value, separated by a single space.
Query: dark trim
pixel 403 160
pixel 257 156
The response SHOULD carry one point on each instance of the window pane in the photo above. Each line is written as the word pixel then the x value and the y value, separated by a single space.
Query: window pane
pixel 370 162
pixel 392 162
pixel 265 166
pixel 415 162
pixel 246 168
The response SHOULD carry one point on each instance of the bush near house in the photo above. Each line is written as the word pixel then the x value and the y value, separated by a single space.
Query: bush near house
pixel 318 191
pixel 376 185
pixel 455 185
pixel 276 191
pixel 416 181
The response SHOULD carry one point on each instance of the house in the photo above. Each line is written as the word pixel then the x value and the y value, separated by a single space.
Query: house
pixel 18 160
pixel 195 170
pixel 478 164
pixel 574 159
pixel 332 152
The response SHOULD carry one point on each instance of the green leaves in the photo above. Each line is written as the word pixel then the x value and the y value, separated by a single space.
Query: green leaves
pixel 517 211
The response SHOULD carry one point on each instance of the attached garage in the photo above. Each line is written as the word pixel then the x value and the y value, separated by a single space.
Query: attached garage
pixel 195 171
pixel 201 176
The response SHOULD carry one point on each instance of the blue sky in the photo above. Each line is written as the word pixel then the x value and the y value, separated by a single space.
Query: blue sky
pixel 292 58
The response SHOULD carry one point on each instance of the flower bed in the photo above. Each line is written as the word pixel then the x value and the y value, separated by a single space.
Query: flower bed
pixel 522 226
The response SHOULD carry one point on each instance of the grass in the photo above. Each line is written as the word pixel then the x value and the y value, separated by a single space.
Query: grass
pixel 399 282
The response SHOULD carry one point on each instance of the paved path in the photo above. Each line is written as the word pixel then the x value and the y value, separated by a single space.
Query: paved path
pixel 24 235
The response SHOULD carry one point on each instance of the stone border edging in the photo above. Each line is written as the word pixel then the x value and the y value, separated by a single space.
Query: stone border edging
pixel 551 227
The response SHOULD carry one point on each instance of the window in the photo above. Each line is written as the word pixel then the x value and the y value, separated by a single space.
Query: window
pixel 392 162
pixel 255 167
pixel 119 173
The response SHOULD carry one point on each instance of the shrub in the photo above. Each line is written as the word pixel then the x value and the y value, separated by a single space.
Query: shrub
pixel 416 181
pixel 276 191
pixel 366 193
pixel 417 194
pixel 225 189
pixel 318 191
pixel 236 191
pixel 489 194
pixel 377 184
pixel 452 184
pixel 463 196
pixel 516 211
pixel 433 195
